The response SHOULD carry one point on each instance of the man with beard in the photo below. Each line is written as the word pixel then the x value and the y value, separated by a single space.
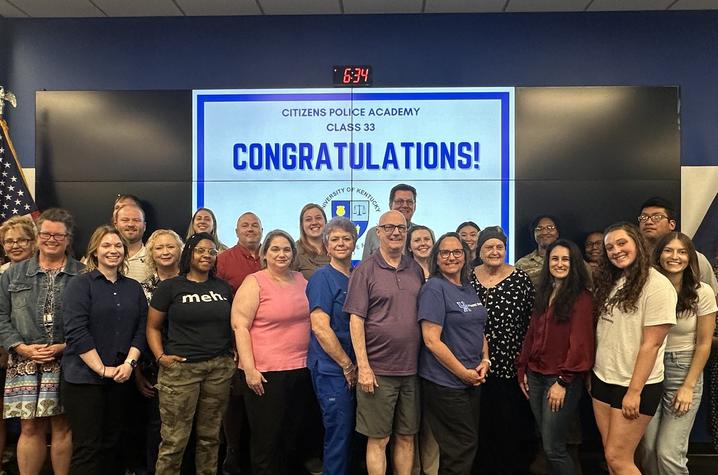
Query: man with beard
pixel 545 230
pixel 130 221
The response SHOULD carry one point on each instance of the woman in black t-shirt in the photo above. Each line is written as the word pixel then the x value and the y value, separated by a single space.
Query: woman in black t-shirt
pixel 195 357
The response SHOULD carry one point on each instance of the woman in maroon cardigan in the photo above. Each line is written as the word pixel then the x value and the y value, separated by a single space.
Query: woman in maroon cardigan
pixel 558 350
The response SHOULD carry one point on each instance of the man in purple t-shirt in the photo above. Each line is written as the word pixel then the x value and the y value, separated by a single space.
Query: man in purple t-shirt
pixel 382 302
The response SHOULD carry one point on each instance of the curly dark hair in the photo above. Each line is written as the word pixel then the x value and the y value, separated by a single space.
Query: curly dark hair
pixel 688 294
pixel 607 274
pixel 576 282
pixel 186 256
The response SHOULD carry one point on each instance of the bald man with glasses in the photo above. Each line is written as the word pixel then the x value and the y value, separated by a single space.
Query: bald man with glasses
pixel 382 302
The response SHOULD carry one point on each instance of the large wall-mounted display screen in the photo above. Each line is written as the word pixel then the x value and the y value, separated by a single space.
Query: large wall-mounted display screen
pixel 272 151
pixel 588 155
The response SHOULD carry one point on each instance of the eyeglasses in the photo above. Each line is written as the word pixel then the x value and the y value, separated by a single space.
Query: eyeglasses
pixel 550 227
pixel 58 237
pixel 404 202
pixel 200 251
pixel 22 242
pixel 445 253
pixel 389 228
pixel 656 218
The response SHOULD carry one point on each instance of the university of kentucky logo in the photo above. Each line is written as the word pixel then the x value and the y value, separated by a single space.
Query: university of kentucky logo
pixel 355 210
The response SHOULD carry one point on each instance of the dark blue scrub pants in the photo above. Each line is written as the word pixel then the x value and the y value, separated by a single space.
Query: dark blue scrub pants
pixel 338 407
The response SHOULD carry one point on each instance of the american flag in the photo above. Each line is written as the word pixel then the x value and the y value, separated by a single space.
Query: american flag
pixel 15 198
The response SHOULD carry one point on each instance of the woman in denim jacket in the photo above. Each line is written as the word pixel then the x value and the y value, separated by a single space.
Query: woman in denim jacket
pixel 31 328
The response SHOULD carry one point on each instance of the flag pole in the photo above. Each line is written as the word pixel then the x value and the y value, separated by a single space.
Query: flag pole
pixel 6 134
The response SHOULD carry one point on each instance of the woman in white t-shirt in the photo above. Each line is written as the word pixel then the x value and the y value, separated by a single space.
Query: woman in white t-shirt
pixel 635 307
pixel 665 444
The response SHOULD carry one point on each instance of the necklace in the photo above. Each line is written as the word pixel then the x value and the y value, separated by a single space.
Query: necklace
pixel 54 266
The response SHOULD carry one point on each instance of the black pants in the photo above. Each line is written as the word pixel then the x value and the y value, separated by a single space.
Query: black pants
pixel 96 413
pixel 505 430
pixel 275 420
pixel 234 424
pixel 453 416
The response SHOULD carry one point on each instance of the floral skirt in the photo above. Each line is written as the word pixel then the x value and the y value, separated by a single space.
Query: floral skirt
pixel 31 389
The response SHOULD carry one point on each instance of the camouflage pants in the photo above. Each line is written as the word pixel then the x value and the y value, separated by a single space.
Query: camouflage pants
pixel 187 390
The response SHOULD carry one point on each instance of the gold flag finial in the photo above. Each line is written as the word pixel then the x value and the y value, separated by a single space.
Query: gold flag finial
pixel 6 96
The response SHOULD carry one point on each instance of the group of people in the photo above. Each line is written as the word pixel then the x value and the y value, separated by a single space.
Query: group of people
pixel 433 346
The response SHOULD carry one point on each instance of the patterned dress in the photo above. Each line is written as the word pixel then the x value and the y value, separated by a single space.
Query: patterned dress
pixel 33 389
pixel 509 305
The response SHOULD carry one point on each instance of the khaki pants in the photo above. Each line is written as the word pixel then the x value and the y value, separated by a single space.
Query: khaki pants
pixel 187 390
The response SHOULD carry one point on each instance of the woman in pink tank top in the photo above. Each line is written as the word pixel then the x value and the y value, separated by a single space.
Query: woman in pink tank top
pixel 270 318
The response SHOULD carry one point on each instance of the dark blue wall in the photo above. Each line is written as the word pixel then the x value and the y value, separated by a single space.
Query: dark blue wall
pixel 4 51
pixel 651 48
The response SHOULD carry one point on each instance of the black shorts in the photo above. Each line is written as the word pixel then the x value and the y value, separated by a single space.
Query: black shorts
pixel 612 394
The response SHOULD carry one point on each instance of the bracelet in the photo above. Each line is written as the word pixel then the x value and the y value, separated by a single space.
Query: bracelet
pixel 349 368
pixel 103 371
pixel 487 360
pixel 160 357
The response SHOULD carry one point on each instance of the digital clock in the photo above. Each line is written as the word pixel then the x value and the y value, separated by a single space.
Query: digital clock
pixel 352 76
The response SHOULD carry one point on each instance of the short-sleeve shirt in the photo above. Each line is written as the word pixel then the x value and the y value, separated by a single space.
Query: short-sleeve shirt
pixel 457 310
pixel 281 327
pixel 531 263
pixel 198 317
pixel 327 291
pixel 235 264
pixel 137 265
pixel 307 263
pixel 509 304
pixel 619 333
pixel 707 274
pixel 682 336
pixel 386 298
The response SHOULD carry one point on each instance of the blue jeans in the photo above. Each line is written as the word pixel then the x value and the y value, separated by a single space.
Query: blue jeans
pixel 338 406
pixel 664 446
pixel 554 426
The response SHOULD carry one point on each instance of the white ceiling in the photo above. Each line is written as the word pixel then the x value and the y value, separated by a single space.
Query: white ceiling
pixel 149 8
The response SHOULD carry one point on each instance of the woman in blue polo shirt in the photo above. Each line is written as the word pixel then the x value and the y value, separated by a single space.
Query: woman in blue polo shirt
pixel 331 357
pixel 454 359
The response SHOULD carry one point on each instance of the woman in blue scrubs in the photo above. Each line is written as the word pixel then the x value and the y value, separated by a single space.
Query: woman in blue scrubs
pixel 331 357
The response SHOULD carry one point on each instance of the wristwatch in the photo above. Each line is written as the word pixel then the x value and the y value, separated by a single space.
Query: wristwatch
pixel 562 382
pixel 132 363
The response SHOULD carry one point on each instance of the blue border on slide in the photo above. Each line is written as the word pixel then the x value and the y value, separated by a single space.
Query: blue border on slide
pixel 504 97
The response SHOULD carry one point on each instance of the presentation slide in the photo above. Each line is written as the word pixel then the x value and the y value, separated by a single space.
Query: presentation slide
pixel 273 151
